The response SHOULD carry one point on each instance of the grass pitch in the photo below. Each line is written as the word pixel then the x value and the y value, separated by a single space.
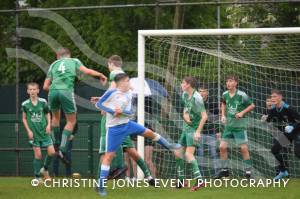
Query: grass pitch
pixel 16 187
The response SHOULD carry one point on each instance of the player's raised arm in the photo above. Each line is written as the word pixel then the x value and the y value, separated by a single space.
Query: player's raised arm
pixel 92 72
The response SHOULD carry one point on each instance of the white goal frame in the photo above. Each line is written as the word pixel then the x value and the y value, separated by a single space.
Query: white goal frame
pixel 186 32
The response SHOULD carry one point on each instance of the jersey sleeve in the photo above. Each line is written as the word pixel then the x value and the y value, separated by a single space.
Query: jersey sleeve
pixel 294 114
pixel 111 76
pixel 49 73
pixel 246 99
pixel 199 104
pixel 46 107
pixel 78 63
pixel 182 101
pixel 104 99
pixel 23 108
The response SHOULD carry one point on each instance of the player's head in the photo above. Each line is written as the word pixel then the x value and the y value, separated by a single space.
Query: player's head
pixel 202 89
pixel 188 82
pixel 33 89
pixel 122 81
pixel 269 102
pixel 63 53
pixel 231 82
pixel 114 61
pixel 276 96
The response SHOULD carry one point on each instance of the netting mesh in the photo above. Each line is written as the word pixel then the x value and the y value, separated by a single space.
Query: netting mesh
pixel 262 63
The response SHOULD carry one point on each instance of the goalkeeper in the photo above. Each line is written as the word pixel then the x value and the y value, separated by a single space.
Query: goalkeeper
pixel 287 120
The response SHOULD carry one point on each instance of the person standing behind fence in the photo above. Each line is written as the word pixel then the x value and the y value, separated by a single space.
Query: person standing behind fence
pixel 37 122
pixel 211 132
pixel 60 84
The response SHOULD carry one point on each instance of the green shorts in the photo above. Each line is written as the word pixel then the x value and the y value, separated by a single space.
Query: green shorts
pixel 102 135
pixel 187 137
pixel 127 143
pixel 62 99
pixel 239 136
pixel 43 143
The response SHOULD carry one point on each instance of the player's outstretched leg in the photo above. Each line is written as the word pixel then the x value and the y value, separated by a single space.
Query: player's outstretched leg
pixel 161 140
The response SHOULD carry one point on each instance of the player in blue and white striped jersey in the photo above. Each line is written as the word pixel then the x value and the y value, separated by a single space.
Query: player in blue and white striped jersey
pixel 117 104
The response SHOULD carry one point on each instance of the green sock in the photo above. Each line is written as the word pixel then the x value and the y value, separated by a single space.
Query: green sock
pixel 131 171
pixel 180 169
pixel 56 134
pixel 224 164
pixel 247 164
pixel 47 161
pixel 141 163
pixel 65 140
pixel 195 169
pixel 37 164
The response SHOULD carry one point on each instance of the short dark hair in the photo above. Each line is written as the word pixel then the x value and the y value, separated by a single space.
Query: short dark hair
pixel 276 91
pixel 63 52
pixel 120 77
pixel 116 60
pixel 232 77
pixel 33 84
pixel 191 81
pixel 202 86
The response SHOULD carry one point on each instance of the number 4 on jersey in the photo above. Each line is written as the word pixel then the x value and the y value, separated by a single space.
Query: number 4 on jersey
pixel 62 67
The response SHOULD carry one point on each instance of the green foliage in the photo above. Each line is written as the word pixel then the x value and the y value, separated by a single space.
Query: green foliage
pixel 114 31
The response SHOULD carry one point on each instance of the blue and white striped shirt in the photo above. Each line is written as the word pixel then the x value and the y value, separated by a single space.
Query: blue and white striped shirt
pixel 113 99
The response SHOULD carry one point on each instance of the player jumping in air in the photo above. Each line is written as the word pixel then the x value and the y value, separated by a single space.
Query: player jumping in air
pixel 60 84
pixel 117 105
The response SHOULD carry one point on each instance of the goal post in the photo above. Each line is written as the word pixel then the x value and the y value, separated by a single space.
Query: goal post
pixel 194 52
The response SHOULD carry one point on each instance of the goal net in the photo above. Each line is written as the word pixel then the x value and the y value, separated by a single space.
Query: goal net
pixel 263 59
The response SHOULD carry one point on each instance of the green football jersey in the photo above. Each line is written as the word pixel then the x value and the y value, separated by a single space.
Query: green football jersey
pixel 113 74
pixel 36 117
pixel 194 106
pixel 234 105
pixel 62 73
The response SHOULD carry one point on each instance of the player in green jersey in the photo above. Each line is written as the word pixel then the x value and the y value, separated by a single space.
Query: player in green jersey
pixel 235 105
pixel 37 122
pixel 114 64
pixel 60 83
pixel 194 116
